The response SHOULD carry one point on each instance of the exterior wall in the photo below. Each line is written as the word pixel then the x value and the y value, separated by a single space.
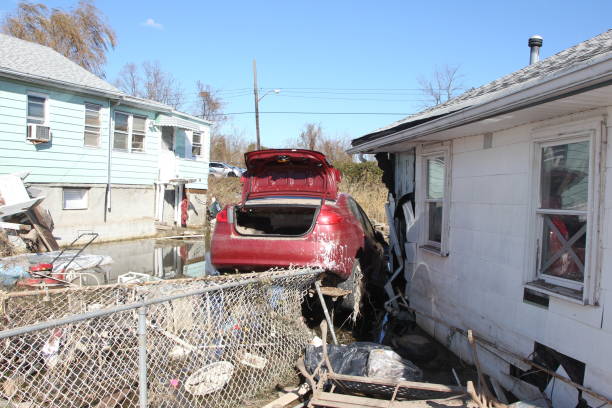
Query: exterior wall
pixel 480 284
pixel 131 215
pixel 65 159
pixel 138 167
pixel 67 162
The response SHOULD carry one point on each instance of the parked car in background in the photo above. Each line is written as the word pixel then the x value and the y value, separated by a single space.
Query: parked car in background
pixel 238 170
pixel 219 169
pixel 291 214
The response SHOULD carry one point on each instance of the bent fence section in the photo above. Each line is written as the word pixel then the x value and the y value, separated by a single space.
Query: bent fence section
pixel 208 342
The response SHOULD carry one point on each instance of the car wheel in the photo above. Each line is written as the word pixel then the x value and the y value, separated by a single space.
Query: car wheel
pixel 231 174
pixel 354 283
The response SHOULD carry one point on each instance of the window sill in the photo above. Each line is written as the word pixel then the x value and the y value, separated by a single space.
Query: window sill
pixel 560 292
pixel 432 250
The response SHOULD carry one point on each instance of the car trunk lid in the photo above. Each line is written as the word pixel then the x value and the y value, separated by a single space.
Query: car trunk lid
pixel 289 172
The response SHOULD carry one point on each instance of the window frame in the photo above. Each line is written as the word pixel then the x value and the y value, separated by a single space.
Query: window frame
pixel 144 133
pixel 426 153
pixel 555 286
pixel 194 144
pixel 130 132
pixel 86 199
pixel 45 108
pixel 85 125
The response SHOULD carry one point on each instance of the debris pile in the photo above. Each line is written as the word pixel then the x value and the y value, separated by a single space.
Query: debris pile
pixel 209 342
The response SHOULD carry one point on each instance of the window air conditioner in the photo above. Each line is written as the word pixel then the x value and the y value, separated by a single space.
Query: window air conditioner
pixel 39 133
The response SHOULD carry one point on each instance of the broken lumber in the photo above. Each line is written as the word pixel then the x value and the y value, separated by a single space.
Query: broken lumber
pixel 15 226
pixel 328 399
pixel 43 227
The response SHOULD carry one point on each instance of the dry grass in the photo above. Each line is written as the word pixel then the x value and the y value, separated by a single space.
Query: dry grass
pixel 371 195
pixel 226 190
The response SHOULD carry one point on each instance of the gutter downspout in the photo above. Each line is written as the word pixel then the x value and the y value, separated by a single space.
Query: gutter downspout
pixel 111 105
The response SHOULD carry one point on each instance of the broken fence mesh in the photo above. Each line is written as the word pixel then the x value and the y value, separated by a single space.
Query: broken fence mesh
pixel 210 342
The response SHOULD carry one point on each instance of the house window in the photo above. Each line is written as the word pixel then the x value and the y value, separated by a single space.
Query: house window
pixel 130 132
pixel 563 214
pixel 121 135
pixel 434 200
pixel 196 144
pixel 75 198
pixel 92 125
pixel 36 109
pixel 139 124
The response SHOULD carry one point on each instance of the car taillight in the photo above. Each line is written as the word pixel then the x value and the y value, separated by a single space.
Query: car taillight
pixel 328 216
pixel 222 215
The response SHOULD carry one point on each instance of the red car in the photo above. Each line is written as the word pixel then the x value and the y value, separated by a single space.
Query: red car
pixel 292 214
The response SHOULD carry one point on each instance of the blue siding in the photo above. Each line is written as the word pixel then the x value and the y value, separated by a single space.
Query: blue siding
pixel 67 160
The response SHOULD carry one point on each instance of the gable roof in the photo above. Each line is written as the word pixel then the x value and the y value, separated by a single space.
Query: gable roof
pixel 38 62
pixel 565 60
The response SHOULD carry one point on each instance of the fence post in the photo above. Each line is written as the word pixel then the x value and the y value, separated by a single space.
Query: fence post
pixel 142 357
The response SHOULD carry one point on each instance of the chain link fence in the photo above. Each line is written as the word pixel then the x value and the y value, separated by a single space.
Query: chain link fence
pixel 207 342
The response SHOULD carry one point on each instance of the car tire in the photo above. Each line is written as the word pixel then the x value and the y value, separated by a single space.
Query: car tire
pixel 231 174
pixel 354 283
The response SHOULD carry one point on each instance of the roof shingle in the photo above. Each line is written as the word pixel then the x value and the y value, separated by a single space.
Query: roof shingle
pixel 41 62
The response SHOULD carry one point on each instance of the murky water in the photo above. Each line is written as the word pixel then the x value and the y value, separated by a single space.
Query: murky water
pixel 160 258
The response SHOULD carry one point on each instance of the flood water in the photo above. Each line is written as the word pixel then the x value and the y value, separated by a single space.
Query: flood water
pixel 161 258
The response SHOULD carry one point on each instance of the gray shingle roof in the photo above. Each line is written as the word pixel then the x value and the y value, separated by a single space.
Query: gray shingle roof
pixel 37 61
pixel 564 60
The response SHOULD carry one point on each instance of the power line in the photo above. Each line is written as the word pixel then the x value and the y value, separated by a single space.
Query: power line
pixel 314 113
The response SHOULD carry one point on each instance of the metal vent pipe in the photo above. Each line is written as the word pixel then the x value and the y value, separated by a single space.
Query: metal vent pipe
pixel 535 43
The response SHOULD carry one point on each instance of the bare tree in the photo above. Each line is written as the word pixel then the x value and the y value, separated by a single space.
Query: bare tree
pixel 154 83
pixel 129 80
pixel 313 138
pixel 82 34
pixel 309 138
pixel 161 86
pixel 444 84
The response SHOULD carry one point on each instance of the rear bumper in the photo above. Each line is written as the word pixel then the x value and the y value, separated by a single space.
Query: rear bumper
pixel 230 251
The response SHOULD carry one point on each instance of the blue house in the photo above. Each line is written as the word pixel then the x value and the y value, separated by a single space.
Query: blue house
pixel 105 161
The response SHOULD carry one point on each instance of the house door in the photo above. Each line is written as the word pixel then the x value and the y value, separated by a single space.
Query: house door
pixel 167 164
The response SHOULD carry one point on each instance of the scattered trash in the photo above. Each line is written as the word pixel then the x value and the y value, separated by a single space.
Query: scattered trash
pixel 414 347
pixel 365 360
pixel 136 277
pixel 210 378
pixel 253 360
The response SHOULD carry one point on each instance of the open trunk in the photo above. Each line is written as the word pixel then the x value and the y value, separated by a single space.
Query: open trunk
pixel 275 220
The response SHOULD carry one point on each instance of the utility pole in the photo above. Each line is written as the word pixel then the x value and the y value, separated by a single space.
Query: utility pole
pixel 256 93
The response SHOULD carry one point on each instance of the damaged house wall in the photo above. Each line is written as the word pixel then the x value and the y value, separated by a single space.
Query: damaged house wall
pixel 480 285
pixel 513 195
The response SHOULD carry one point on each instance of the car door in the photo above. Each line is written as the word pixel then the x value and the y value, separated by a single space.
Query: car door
pixel 373 250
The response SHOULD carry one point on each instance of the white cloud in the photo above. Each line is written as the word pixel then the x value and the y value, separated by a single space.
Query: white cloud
pixel 153 24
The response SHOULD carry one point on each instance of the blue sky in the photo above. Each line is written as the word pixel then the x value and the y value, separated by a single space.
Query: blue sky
pixel 327 47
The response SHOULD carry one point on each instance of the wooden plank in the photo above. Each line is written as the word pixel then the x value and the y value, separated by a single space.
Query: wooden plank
pixel 328 399
pixel 37 218
pixel 283 400
pixel 404 384
pixel 14 226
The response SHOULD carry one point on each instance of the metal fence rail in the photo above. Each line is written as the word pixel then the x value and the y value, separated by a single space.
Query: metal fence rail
pixel 211 342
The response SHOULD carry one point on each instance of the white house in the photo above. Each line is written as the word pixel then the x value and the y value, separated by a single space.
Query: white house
pixel 511 188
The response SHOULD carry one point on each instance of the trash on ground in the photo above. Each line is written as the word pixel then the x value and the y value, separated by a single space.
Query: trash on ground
pixel 365 360
pixel 136 277
pixel 210 378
